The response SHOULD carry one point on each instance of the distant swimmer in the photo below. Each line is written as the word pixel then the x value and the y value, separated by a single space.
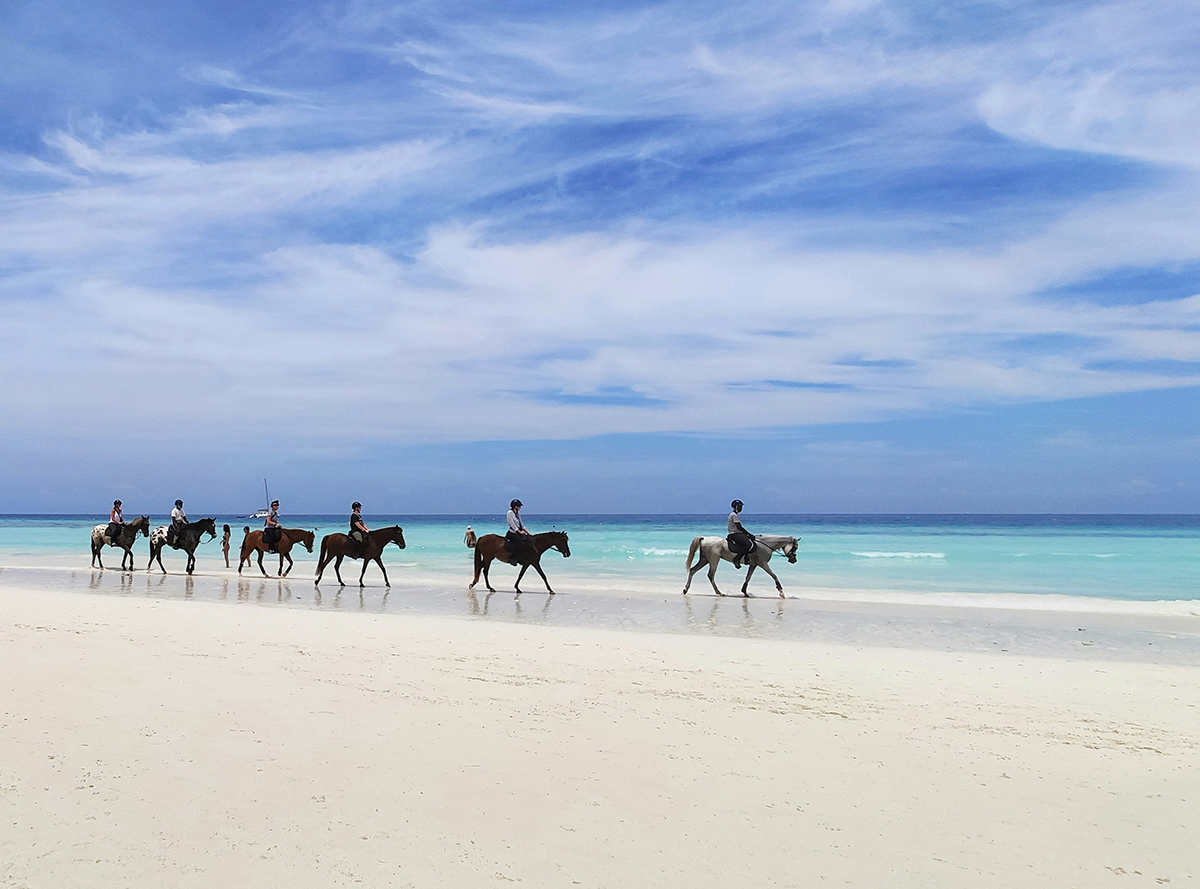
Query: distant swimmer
pixel 469 538
pixel 740 540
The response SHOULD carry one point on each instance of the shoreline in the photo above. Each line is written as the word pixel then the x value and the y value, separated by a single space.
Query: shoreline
pixel 1145 635
pixel 154 742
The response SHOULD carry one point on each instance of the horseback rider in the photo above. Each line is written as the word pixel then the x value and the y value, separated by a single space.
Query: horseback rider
pixel 518 536
pixel 358 528
pixel 179 521
pixel 740 540
pixel 272 530
pixel 115 521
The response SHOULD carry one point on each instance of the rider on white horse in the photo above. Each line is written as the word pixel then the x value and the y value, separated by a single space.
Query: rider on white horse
pixel 740 540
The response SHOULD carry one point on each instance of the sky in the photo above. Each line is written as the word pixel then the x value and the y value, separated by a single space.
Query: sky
pixel 843 256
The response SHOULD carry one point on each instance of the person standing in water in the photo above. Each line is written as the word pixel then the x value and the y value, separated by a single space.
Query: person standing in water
pixel 225 544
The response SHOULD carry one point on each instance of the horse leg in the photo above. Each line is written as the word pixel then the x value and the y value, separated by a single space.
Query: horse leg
pixel 520 574
pixel 692 573
pixel 96 557
pixel 337 569
pixel 191 566
pixel 712 575
pixel 537 566
pixel 487 581
pixel 379 561
pixel 747 582
pixel 287 556
pixel 260 564
pixel 778 585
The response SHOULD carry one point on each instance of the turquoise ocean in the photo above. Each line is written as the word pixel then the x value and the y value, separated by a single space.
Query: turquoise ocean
pixel 1127 558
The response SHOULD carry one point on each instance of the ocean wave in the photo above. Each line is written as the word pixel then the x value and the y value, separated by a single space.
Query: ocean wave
pixel 654 551
pixel 880 555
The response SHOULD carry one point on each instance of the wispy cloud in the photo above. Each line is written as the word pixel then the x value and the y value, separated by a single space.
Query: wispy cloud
pixel 434 226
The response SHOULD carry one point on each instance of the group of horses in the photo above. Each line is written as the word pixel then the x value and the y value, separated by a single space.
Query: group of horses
pixel 337 547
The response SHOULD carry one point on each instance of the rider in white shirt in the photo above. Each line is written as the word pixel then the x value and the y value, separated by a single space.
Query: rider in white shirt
pixel 179 519
pixel 518 535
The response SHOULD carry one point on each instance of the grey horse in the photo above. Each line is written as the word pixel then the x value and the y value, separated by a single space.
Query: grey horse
pixel 714 549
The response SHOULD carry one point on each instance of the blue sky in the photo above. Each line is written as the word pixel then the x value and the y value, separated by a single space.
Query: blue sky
pixel 843 256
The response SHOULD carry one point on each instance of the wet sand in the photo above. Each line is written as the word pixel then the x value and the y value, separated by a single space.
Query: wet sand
pixel 163 742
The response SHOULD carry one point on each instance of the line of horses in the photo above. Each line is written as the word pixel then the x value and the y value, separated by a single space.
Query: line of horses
pixel 337 547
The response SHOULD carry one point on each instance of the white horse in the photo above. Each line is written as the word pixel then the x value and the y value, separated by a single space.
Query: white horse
pixel 714 549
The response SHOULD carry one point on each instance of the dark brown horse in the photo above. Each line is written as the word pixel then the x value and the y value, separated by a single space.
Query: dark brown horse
pixel 339 546
pixel 126 536
pixel 288 538
pixel 491 546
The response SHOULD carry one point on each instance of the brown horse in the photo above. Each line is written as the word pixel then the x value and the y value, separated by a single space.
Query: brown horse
pixel 339 546
pixel 491 546
pixel 288 538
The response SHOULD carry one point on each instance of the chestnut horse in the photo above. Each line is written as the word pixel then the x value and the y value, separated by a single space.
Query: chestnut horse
pixel 491 546
pixel 288 538
pixel 339 546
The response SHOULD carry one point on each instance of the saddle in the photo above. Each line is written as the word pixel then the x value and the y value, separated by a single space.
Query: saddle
pixel 271 537
pixel 358 543
pixel 113 533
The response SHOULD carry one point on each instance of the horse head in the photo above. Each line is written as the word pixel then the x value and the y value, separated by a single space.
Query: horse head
pixel 396 536
pixel 307 539
pixel 143 526
pixel 789 549
pixel 562 545
pixel 207 526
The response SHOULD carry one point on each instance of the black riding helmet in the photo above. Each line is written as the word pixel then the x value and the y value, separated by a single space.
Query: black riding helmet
pixel 356 505
pixel 179 503
pixel 737 505
pixel 515 504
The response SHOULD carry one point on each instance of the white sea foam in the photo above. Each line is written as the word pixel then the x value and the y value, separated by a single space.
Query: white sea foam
pixel 880 555
pixel 653 551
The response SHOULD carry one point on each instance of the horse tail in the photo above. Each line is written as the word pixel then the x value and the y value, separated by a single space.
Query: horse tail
pixel 478 560
pixel 692 551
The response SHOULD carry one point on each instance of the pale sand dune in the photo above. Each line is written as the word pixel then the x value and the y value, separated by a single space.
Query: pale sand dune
pixel 160 743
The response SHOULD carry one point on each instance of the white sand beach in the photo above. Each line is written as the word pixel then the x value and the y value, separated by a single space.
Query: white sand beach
pixel 158 743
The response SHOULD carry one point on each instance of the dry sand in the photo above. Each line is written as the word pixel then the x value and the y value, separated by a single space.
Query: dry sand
pixel 152 743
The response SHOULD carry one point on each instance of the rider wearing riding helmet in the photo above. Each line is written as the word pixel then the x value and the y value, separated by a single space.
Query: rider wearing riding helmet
pixel 740 540
pixel 518 535
pixel 358 528
pixel 115 521
pixel 272 530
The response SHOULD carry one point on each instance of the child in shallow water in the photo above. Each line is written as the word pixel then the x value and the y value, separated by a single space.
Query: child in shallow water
pixel 225 545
